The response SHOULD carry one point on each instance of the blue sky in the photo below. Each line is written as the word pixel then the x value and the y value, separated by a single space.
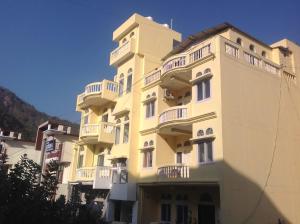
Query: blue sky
pixel 50 49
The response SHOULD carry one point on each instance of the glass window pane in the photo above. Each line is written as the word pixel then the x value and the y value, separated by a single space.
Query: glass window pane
pixel 209 151
pixel 121 84
pixel 129 83
pixel 179 157
pixel 199 91
pixel 201 152
pixel 117 136
pixel 207 88
pixel 126 133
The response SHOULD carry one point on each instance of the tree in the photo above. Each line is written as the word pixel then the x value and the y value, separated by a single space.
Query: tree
pixel 24 200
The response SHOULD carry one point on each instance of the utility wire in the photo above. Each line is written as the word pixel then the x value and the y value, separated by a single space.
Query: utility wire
pixel 252 213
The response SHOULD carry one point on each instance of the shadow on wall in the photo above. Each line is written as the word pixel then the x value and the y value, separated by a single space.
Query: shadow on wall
pixel 239 199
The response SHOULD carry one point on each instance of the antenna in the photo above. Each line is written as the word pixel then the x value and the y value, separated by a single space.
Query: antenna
pixel 171 23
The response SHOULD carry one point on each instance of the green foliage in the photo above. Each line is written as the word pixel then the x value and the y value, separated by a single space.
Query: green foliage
pixel 26 199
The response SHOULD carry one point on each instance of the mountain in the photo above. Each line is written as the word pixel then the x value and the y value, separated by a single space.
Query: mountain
pixel 19 116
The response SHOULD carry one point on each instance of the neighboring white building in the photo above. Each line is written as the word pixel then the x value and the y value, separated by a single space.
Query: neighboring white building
pixel 15 147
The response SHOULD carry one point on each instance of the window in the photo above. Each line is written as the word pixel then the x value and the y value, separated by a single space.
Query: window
pixel 209 131
pixel 207 71
pixel 105 118
pixel 200 133
pixel 251 47
pixel 118 132
pixel 263 53
pixel 123 176
pixel 129 81
pixel 231 50
pixel 124 40
pixel 179 157
pixel 121 85
pixel 126 130
pixel 182 214
pixel 203 89
pixel 151 143
pixel 80 160
pixel 86 116
pixel 150 109
pixel 198 74
pixel 239 41
pixel 165 211
pixel 100 160
pixel 131 34
pixel 205 151
pixel 147 158
pixel 145 144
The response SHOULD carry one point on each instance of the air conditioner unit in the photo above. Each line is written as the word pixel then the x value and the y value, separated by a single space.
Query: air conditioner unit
pixel 168 95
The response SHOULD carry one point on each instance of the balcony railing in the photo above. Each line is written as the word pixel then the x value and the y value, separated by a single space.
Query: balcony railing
pixel 106 90
pixel 121 52
pixel 86 173
pixel 171 114
pixel 103 177
pixel 174 63
pixel 90 129
pixel 102 132
pixel 152 77
pixel 173 171
pixel 178 61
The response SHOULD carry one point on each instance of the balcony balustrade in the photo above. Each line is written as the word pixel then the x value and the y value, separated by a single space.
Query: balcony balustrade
pixel 121 53
pixel 174 113
pixel 182 60
pixel 97 93
pixel 173 172
pixel 103 132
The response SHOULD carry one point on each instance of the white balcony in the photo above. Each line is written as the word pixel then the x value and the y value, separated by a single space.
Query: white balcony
pixel 100 176
pixel 97 94
pixel 123 52
pixel 85 174
pixel 173 172
pixel 176 70
pixel 173 114
pixel 102 132
pixel 103 177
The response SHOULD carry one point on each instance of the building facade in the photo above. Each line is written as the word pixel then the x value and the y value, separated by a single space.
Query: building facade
pixel 12 145
pixel 56 141
pixel 204 130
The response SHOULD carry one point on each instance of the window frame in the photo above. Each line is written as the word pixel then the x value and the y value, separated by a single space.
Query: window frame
pixel 203 84
pixel 205 152
pixel 150 108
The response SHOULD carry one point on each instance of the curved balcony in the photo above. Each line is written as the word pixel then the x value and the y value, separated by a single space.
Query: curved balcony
pixel 97 94
pixel 123 52
pixel 94 133
pixel 175 72
pixel 175 120
pixel 173 172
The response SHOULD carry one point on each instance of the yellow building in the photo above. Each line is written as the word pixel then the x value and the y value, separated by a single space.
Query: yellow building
pixel 204 130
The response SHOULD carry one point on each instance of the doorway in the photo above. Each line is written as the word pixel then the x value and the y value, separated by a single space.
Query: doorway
pixel 206 214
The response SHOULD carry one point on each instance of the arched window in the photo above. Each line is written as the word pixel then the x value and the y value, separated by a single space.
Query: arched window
pixel 126 130
pixel 121 84
pixel 263 53
pixel 207 71
pixel 251 47
pixel 124 40
pixel 148 96
pixel 209 131
pixel 151 142
pixel 239 41
pixel 199 74
pixel 129 81
pixel 154 94
pixel 145 144
pixel 131 34
pixel 200 133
